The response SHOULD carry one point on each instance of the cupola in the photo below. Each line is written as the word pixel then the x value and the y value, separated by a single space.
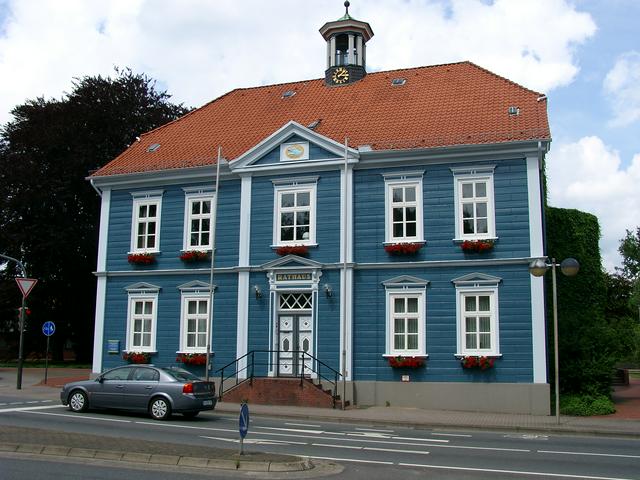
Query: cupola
pixel 346 51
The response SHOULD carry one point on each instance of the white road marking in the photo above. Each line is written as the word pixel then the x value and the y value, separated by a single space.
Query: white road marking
pixel 296 430
pixel 349 447
pixel 590 454
pixel 513 472
pixel 451 435
pixel 254 442
pixel 421 439
pixel 76 416
pixel 188 427
pixel 352 460
pixel 391 450
pixel 373 430
pixel 33 401
pixel 302 425
pixel 16 403
pixel 28 409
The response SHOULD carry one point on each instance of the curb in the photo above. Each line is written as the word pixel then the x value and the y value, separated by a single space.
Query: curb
pixel 302 464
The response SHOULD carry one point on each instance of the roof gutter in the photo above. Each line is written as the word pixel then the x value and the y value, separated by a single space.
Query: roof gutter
pixel 95 188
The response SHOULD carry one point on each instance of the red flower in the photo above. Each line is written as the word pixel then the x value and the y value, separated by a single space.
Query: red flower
pixel 137 357
pixel 472 361
pixel 477 246
pixel 194 256
pixel 402 248
pixel 406 362
pixel 292 250
pixel 192 358
pixel 141 258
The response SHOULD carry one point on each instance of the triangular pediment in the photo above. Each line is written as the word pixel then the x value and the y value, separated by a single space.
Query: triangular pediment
pixel 291 262
pixel 266 154
pixel 195 285
pixel 142 287
pixel 405 281
pixel 476 278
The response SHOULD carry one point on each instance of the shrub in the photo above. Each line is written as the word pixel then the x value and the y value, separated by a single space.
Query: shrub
pixel 586 405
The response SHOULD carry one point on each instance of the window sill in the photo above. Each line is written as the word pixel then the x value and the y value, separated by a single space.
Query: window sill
pixel 413 355
pixel 474 239
pixel 477 354
pixel 280 245
pixel 152 352
pixel 404 242
pixel 191 352
pixel 142 252
pixel 194 249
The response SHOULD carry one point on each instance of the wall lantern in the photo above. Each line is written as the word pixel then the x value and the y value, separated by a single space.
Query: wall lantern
pixel 257 291
pixel 327 290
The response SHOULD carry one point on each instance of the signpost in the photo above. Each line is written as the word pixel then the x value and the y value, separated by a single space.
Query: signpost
pixel 48 328
pixel 243 424
pixel 25 285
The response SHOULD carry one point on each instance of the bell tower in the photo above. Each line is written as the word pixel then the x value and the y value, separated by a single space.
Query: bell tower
pixel 346 49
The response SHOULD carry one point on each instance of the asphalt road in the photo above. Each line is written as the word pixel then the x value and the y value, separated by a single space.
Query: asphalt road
pixel 365 452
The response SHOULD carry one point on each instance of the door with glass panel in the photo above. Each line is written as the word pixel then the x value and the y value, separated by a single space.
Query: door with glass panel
pixel 295 334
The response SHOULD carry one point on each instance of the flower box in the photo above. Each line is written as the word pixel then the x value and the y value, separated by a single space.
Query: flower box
pixel 141 258
pixel 477 246
pixel 403 248
pixel 406 362
pixel 192 358
pixel 191 256
pixel 292 250
pixel 477 362
pixel 137 357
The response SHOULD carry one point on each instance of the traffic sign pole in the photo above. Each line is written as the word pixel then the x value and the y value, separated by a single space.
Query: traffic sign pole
pixel 21 345
pixel 46 362
pixel 48 328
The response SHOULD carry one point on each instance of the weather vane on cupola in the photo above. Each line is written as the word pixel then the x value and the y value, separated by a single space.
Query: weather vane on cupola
pixel 346 51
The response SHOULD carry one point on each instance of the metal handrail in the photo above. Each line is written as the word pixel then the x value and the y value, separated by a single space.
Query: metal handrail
pixel 330 375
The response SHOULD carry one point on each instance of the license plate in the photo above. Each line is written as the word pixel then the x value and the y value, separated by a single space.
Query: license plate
pixel 207 403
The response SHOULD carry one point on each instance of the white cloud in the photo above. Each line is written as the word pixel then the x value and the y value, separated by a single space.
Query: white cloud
pixel 588 175
pixel 202 49
pixel 622 84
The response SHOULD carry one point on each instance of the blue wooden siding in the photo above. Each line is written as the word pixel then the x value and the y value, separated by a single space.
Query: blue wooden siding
pixel 172 226
pixel 327 218
pixel 168 317
pixel 315 152
pixel 514 296
pixel 511 209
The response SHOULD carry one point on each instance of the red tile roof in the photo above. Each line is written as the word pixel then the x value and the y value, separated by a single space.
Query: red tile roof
pixel 442 105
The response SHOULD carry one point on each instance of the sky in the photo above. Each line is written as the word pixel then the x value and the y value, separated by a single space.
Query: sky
pixel 583 54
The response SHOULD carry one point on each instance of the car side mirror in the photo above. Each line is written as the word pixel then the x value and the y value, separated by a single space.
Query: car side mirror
pixel 100 379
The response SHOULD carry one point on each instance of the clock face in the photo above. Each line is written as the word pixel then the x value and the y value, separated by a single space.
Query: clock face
pixel 340 76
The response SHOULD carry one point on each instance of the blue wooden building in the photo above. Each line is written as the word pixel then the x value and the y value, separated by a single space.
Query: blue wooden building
pixel 379 225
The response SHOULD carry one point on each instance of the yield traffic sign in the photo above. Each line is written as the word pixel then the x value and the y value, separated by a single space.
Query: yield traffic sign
pixel 26 285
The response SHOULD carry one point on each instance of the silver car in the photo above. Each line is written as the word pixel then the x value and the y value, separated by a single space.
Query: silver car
pixel 146 388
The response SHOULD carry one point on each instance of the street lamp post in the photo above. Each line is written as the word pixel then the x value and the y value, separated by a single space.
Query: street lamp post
pixel 569 267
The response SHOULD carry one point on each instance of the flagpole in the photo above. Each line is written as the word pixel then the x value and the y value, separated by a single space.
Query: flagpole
pixel 214 216
pixel 344 278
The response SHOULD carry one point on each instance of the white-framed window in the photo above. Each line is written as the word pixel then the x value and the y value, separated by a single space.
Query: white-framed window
pixel 477 315
pixel 474 204
pixel 194 322
pixel 145 231
pixel 141 322
pixel 406 316
pixel 295 214
pixel 198 221
pixel 404 220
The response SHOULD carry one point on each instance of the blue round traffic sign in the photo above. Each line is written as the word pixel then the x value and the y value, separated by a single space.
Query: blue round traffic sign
pixel 244 420
pixel 48 328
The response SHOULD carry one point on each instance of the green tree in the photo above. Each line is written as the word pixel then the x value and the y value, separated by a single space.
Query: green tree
pixel 630 251
pixel 49 212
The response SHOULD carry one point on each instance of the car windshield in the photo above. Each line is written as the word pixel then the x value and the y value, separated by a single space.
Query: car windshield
pixel 180 374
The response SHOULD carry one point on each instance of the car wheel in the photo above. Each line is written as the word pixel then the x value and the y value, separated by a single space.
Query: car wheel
pixel 190 414
pixel 78 401
pixel 160 409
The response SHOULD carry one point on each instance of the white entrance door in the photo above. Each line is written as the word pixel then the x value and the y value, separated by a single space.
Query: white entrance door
pixel 295 334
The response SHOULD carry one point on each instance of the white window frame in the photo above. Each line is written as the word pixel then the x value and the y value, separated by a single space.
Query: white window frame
pixel 485 290
pixel 139 200
pixel 185 299
pixel 279 190
pixel 462 176
pixel 141 297
pixel 402 287
pixel 390 184
pixel 190 198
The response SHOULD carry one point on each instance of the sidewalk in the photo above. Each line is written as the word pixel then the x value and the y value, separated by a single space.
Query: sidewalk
pixel 626 422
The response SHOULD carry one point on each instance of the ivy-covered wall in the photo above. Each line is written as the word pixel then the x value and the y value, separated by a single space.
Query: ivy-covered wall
pixel 584 336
